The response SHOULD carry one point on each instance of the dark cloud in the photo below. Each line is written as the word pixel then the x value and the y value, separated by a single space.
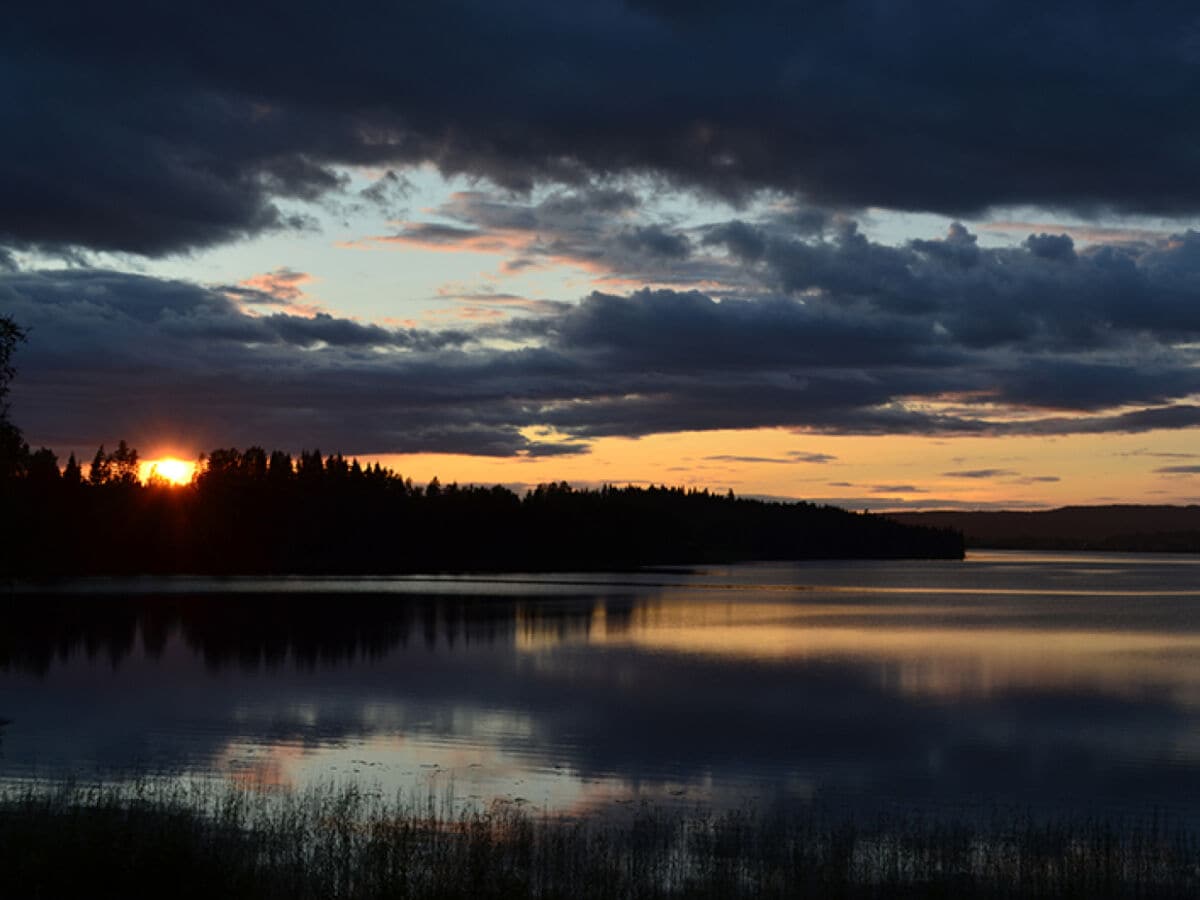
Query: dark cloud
pixel 323 328
pixel 387 191
pixel 979 473
pixel 997 297
pixel 1084 384
pixel 817 458
pixel 793 456
pixel 1179 415
pixel 1051 246
pixel 655 241
pixel 670 330
pixel 439 235
pixel 607 200
pixel 959 248
pixel 1178 470
pixel 158 128
pixel 746 242
pixel 746 459
pixel 926 503
pixel 1158 454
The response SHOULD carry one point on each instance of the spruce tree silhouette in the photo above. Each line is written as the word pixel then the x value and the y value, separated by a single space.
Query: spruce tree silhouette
pixel 12 445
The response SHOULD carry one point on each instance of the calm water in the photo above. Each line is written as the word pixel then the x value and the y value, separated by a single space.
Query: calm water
pixel 1055 681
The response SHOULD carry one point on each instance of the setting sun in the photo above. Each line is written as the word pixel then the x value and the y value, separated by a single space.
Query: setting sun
pixel 168 469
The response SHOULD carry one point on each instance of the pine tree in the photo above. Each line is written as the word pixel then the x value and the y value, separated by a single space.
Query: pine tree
pixel 42 467
pixel 100 471
pixel 124 464
pixel 72 474
pixel 13 450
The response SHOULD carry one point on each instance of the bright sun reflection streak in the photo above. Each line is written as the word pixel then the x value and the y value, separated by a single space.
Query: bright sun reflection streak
pixel 168 468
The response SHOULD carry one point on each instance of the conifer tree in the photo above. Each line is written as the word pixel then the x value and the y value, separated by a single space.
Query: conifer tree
pixel 123 464
pixel 13 451
pixel 98 474
pixel 72 474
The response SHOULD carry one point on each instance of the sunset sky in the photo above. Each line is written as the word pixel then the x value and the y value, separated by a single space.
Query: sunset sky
pixel 879 254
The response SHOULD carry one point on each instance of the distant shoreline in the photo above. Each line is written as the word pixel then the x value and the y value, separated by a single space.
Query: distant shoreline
pixel 1117 528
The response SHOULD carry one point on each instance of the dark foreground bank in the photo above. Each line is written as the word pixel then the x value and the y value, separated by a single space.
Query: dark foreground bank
pixel 249 513
pixel 64 841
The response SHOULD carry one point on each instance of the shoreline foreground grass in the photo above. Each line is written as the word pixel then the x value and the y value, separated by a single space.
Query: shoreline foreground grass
pixel 185 841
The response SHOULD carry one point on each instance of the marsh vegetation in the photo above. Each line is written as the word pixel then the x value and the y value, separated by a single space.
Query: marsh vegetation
pixel 208 840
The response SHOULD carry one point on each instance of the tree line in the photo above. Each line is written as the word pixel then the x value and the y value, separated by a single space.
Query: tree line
pixel 257 512
pixel 254 511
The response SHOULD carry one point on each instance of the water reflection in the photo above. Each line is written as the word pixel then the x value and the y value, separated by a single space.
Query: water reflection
pixel 252 631
pixel 1009 679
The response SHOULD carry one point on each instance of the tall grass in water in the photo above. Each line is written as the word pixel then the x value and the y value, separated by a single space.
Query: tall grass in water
pixel 174 841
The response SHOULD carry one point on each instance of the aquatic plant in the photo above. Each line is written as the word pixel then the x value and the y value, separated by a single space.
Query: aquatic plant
pixel 153 838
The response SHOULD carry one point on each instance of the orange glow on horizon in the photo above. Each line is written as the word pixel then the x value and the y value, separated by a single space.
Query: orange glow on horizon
pixel 855 471
pixel 167 468
pixel 879 473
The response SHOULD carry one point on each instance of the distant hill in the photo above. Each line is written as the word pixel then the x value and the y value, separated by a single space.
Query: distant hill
pixel 1126 528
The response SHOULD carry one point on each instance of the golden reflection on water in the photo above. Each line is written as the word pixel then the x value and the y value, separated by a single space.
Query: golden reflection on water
pixel 976 656
pixel 467 769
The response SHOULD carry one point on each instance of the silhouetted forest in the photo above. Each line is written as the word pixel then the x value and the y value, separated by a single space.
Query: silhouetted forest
pixel 257 512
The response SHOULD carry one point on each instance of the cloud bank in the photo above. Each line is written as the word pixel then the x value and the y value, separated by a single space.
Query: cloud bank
pixel 159 128
pixel 843 336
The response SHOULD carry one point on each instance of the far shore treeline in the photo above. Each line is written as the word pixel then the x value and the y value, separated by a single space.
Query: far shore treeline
pixel 253 511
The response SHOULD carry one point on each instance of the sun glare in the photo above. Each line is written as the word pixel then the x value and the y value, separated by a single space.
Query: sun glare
pixel 168 469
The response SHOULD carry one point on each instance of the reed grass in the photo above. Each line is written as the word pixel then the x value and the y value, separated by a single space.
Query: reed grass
pixel 198 840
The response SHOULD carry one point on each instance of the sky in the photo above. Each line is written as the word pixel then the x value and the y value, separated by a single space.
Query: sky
pixel 886 255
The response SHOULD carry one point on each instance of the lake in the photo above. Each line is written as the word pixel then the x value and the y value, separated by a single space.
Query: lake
pixel 1042 681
